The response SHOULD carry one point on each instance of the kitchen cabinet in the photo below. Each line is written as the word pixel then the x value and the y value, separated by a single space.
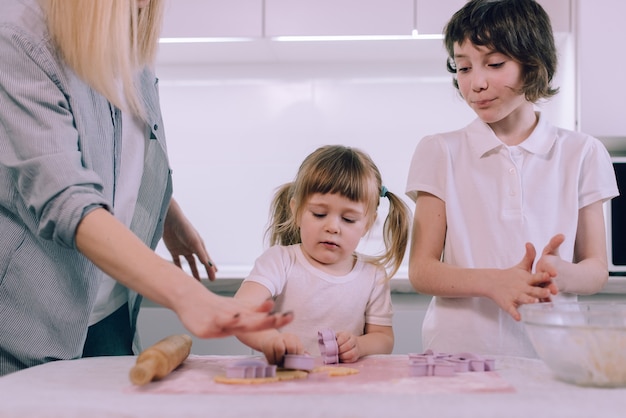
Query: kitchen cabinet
pixel 432 15
pixel 601 35
pixel 258 21
pixel 338 17
pixel 213 18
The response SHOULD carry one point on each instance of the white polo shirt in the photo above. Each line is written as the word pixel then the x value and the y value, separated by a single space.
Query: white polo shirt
pixel 498 198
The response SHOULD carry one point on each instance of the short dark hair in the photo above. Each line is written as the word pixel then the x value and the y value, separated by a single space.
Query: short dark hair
pixel 520 29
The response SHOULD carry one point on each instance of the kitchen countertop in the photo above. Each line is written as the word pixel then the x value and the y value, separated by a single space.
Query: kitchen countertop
pixel 616 285
pixel 99 387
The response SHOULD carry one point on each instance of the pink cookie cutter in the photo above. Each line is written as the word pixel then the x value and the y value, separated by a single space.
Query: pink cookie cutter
pixel 250 369
pixel 441 364
pixel 298 362
pixel 328 346
pixel 477 363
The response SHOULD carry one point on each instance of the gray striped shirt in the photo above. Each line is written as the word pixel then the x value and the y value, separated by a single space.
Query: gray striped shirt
pixel 59 159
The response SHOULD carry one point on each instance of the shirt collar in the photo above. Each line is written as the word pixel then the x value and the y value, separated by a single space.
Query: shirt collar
pixel 485 140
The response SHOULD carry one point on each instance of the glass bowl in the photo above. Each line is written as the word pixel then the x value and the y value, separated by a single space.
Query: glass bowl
pixel 581 342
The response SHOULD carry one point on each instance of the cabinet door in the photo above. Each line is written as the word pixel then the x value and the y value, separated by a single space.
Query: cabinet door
pixel 338 17
pixel 602 33
pixel 432 15
pixel 213 18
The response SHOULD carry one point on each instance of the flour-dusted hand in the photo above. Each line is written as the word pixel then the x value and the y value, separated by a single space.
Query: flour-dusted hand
pixel 550 260
pixel 182 239
pixel 519 285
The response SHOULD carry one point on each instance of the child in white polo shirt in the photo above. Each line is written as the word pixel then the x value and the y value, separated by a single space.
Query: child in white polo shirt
pixel 491 195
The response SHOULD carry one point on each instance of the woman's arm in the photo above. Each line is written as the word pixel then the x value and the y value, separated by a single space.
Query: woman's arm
pixel 119 253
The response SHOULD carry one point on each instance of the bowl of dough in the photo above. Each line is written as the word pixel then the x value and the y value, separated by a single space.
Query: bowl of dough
pixel 583 343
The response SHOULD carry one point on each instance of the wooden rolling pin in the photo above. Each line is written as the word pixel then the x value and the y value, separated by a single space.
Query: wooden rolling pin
pixel 159 360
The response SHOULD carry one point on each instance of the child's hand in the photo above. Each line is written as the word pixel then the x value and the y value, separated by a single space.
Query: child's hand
pixel 519 286
pixel 277 345
pixel 348 347
pixel 549 261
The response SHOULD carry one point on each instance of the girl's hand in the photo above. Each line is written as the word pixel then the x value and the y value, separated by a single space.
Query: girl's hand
pixel 182 239
pixel 348 344
pixel 519 285
pixel 277 345
pixel 549 261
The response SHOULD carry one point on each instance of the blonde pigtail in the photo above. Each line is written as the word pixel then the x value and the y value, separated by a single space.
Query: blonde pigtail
pixel 395 234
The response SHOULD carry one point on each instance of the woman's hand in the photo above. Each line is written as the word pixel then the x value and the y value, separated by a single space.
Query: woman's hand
pixel 207 315
pixel 182 239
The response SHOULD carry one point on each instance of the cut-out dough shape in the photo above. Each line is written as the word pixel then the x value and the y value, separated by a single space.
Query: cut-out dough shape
pixel 280 376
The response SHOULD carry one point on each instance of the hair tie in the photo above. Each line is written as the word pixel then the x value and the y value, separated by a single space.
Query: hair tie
pixel 383 191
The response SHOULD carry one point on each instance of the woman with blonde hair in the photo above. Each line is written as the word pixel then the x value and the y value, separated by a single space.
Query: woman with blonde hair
pixel 85 188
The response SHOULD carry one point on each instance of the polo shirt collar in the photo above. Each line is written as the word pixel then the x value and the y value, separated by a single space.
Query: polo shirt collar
pixel 539 142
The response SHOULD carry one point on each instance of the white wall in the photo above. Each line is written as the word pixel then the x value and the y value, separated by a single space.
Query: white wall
pixel 238 131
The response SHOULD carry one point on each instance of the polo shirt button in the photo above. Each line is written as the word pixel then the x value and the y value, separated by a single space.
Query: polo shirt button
pixel 512 170
pixel 155 127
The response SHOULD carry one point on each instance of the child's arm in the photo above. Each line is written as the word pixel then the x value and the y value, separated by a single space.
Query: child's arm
pixel 272 343
pixel 589 272
pixel 377 339
pixel 509 288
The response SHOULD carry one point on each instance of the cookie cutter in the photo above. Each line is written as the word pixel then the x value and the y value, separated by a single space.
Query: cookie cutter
pixel 441 364
pixel 250 369
pixel 298 362
pixel 430 366
pixel 329 349
pixel 477 363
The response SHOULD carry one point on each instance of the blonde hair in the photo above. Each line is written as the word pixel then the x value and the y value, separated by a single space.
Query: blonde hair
pixel 106 43
pixel 352 174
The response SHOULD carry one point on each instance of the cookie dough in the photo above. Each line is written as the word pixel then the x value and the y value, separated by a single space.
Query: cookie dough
pixel 335 370
pixel 280 376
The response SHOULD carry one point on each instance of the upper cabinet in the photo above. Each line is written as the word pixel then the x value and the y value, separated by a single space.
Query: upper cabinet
pixel 601 60
pixel 338 17
pixel 376 17
pixel 213 19
pixel 261 22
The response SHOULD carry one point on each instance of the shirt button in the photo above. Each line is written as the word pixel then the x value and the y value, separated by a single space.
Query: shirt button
pixel 512 170
pixel 155 127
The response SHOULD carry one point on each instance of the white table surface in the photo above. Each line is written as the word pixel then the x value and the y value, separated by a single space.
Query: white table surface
pixel 94 388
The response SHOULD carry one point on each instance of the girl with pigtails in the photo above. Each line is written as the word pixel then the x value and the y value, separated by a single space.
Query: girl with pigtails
pixel 312 267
